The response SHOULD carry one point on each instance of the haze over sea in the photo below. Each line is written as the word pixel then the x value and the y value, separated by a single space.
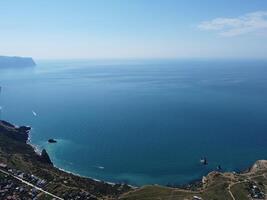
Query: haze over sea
pixel 142 121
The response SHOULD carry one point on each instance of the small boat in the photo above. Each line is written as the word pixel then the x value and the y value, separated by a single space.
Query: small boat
pixel 219 168
pixel 34 113
pixel 203 161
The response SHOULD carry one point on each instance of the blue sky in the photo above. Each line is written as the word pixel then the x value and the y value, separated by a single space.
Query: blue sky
pixel 59 29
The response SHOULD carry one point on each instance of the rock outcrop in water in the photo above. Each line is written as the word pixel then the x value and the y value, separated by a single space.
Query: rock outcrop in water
pixel 14 62
pixel 52 140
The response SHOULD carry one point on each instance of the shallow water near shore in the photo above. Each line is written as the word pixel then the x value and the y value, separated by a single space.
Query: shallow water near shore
pixel 142 122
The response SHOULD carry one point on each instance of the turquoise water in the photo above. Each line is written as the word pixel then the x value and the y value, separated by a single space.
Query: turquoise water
pixel 142 122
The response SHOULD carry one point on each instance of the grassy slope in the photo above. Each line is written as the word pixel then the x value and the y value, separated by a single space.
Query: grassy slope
pixel 216 188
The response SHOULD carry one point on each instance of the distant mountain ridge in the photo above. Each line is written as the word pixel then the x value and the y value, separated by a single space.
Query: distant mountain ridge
pixel 15 61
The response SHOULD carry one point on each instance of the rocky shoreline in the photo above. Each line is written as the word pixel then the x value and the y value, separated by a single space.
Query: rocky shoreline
pixel 21 134
pixel 18 155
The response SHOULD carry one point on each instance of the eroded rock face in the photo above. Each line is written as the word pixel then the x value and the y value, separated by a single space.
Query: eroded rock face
pixel 45 157
pixel 20 134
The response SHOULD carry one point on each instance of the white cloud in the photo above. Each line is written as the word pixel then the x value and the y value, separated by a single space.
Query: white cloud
pixel 255 22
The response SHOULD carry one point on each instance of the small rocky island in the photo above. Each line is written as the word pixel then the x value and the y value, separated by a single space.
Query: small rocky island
pixel 52 140
pixel 16 62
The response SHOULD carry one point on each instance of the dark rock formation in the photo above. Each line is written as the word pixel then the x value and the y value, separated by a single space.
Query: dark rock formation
pixel 52 141
pixel 45 157
pixel 6 62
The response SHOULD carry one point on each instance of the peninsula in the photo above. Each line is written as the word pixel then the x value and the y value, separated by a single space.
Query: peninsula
pixel 16 62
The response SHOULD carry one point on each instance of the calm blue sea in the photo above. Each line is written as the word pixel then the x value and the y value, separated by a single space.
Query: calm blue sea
pixel 142 122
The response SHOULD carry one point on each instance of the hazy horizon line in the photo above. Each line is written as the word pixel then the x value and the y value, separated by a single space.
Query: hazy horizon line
pixel 150 58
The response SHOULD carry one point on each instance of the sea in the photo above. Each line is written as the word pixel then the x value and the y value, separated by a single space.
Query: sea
pixel 142 121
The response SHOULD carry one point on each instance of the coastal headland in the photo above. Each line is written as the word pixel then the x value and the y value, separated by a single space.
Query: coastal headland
pixel 16 62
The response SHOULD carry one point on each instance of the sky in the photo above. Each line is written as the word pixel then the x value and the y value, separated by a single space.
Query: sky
pixel 132 29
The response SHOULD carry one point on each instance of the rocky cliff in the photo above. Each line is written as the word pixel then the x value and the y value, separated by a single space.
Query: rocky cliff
pixel 21 134
pixel 17 133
